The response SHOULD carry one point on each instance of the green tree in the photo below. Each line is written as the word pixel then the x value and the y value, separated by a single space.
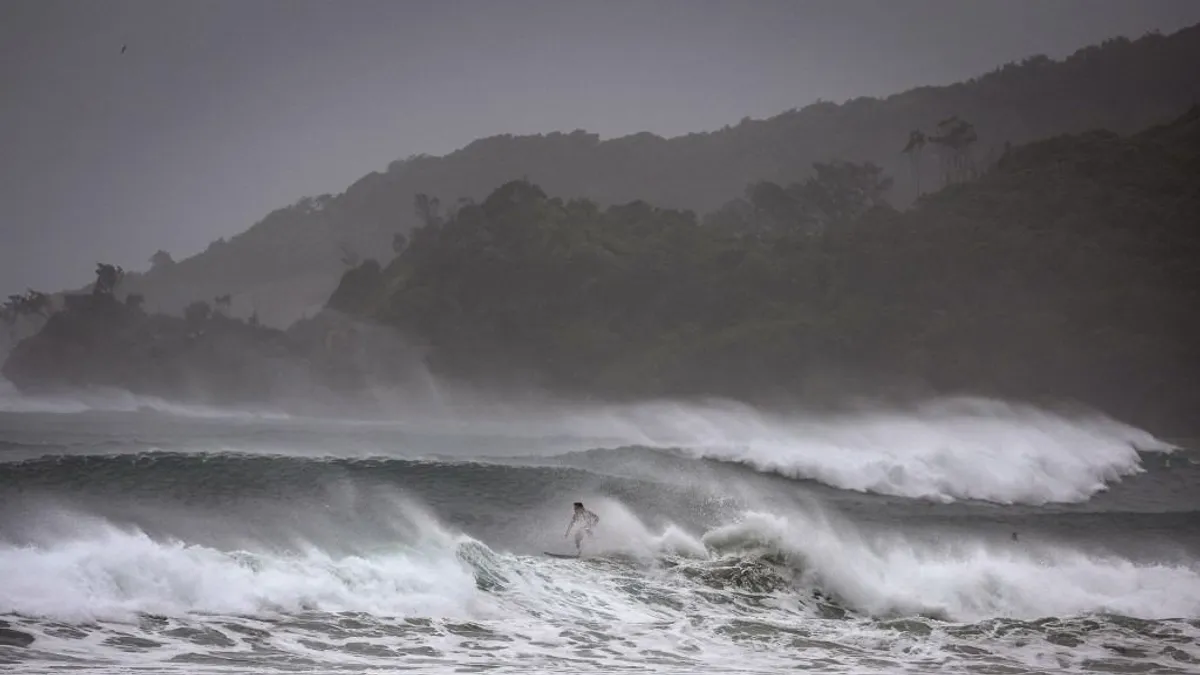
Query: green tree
pixel 778 209
pixel 427 209
pixel 197 313
pixel 161 259
pixel 32 303
pixel 108 277
pixel 843 191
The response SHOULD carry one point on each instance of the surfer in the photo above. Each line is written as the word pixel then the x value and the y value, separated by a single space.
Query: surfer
pixel 589 521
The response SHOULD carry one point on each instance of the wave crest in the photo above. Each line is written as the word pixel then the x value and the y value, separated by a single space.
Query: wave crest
pixel 964 579
pixel 960 449
pixel 118 573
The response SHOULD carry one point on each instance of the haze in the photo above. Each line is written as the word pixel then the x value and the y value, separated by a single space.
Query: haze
pixel 218 112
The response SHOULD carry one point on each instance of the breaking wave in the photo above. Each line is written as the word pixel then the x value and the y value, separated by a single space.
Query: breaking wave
pixel 944 451
pixel 961 449
pixel 83 568
pixel 961 578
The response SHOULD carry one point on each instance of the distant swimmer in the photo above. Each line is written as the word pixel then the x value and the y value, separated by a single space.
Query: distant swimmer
pixel 587 519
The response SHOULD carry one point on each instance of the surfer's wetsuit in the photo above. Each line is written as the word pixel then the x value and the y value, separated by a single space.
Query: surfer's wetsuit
pixel 589 521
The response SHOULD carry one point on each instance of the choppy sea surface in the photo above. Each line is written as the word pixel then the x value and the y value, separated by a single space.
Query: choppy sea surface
pixel 961 536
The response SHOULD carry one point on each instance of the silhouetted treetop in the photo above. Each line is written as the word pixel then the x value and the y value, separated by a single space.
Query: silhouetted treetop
pixel 108 277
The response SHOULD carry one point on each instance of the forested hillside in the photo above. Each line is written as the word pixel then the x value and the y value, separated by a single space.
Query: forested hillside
pixel 1067 271
pixel 289 262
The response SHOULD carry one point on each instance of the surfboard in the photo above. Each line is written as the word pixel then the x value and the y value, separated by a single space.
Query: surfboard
pixel 560 555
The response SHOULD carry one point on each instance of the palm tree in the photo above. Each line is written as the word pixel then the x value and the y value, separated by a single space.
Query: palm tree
pixel 916 143
pixel 955 138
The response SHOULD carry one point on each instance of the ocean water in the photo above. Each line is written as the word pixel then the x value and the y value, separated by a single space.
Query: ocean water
pixel 960 536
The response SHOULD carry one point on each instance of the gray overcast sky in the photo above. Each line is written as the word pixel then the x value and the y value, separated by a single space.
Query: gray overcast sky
pixel 221 111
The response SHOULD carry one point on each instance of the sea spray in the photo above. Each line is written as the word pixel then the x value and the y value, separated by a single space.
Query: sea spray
pixel 622 532
pixel 96 569
pixel 942 450
pixel 961 578
pixel 113 400
pixel 247 544
pixel 959 449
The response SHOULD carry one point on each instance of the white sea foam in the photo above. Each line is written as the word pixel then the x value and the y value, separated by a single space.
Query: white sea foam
pixel 533 614
pixel 115 573
pixel 962 579
pixel 961 449
pixel 945 450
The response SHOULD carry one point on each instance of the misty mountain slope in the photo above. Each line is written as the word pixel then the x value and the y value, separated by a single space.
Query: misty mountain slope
pixel 288 262
pixel 1067 271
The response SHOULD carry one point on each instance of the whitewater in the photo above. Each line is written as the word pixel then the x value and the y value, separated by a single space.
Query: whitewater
pixel 953 536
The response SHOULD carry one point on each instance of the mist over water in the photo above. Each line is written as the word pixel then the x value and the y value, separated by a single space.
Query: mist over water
pixel 777 217
pixel 731 538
